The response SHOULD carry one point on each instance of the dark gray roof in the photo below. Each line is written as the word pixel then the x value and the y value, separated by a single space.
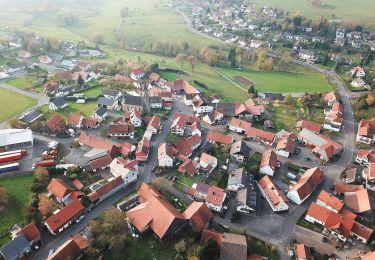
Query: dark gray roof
pixel 227 108
pixel 19 245
pixel 59 102
pixel 101 111
pixel 155 99
pixel 110 92
pixel 133 100
pixel 30 116
pixel 106 101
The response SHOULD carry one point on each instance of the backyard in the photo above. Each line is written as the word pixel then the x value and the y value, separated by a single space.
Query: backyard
pixel 287 116
pixel 275 81
pixel 93 92
pixel 347 10
pixel 86 109
pixel 19 103
pixel 22 82
pixel 18 189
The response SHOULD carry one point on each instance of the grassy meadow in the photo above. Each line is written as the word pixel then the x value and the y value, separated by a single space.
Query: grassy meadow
pixel 346 10
pixel 17 102
pixel 86 109
pixel 18 189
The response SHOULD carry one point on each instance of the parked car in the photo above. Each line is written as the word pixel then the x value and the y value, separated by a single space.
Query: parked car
pixel 308 159
pixel 297 151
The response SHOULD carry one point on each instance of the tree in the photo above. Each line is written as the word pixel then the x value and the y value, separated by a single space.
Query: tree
pixel 261 53
pixel 110 231
pixel 370 100
pixel 232 57
pixel 80 80
pixel 42 175
pixel 180 58
pixel 98 39
pixel 46 205
pixel 286 58
pixel 251 90
pixel 124 11
pixel 210 250
pixel 180 246
pixel 4 198
pixel 325 60
pixel 236 216
pixel 206 55
pixel 193 61
pixel 238 56
pixel 288 99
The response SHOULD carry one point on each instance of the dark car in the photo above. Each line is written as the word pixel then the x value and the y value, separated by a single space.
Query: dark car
pixel 307 159
pixel 297 151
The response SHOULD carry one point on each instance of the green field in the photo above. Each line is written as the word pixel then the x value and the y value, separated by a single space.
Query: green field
pixel 19 103
pixel 284 82
pixel 347 10
pixel 146 21
pixel 21 83
pixel 18 190
pixel 93 92
pixel 86 109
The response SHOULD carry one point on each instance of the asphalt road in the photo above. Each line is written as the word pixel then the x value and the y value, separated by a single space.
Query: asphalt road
pixel 71 231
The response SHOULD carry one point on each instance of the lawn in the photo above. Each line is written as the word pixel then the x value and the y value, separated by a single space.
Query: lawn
pixel 146 24
pixel 19 103
pixel 170 76
pixel 184 181
pixel 22 83
pixel 86 109
pixel 18 190
pixel 93 92
pixel 287 116
pixel 284 82
pixel 348 10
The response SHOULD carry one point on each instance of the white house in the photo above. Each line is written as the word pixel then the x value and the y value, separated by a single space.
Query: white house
pixel 128 170
pixel 268 164
pixel 236 180
pixel 275 198
pixel 208 162
pixel 57 104
pixel 285 147
pixel 308 182
pixel 165 155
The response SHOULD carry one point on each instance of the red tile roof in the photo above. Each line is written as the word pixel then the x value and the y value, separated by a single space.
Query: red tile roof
pixel 59 188
pixel 66 214
pixel 154 211
pixel 286 144
pixel 240 124
pixel 120 129
pixel 330 200
pixel 312 126
pixel 273 193
pixel 215 195
pixel 212 234
pixel 219 138
pixel 189 166
pixel 93 196
pixel 74 118
pixel 370 154
pixel 303 252
pixel 358 201
pixel 71 249
pixel 308 182
pixel 31 232
pixel 199 214
pixel 342 187
pixel 269 158
pixel 56 123
pixel 260 134
pixel 100 162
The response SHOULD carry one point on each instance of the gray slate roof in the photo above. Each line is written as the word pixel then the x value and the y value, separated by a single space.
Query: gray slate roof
pixel 19 245
pixel 59 102
pixel 106 101
pixel 133 100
